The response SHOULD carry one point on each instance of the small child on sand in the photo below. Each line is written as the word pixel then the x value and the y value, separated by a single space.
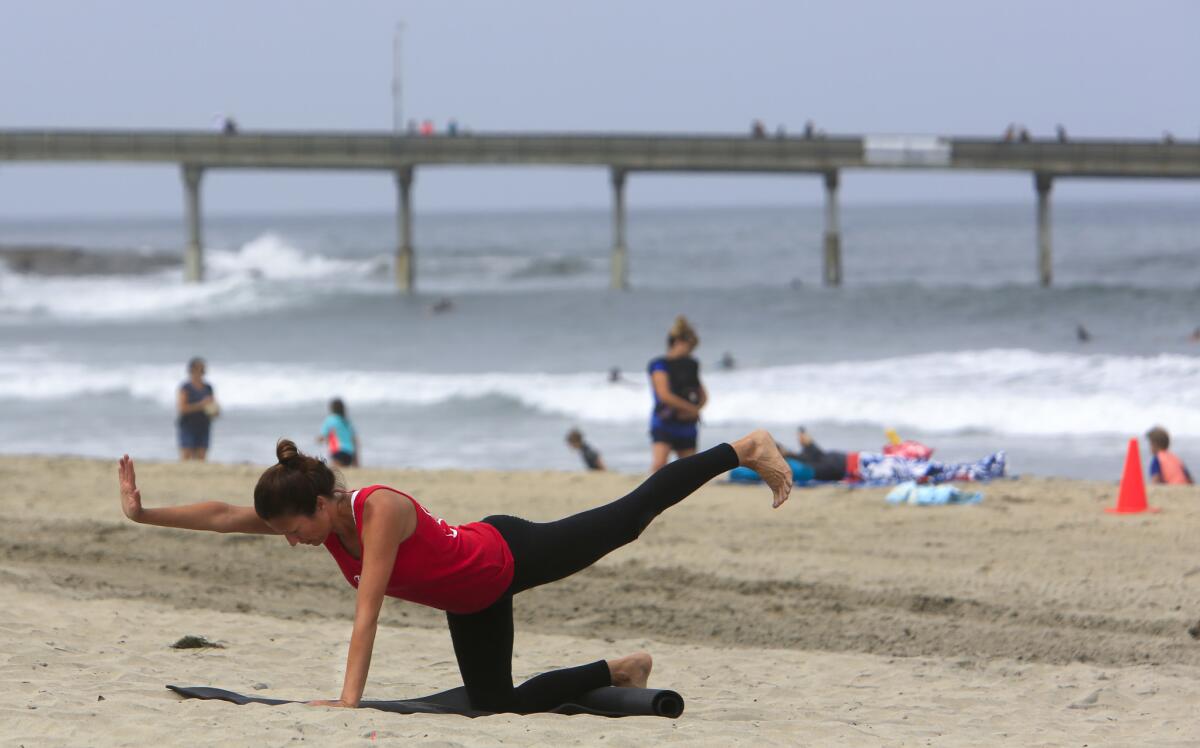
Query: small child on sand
pixel 591 457
pixel 1165 467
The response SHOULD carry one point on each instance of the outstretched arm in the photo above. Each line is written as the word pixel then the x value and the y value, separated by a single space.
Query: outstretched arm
pixel 388 520
pixel 215 516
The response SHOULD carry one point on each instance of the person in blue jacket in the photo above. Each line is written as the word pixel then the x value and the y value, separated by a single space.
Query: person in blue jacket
pixel 339 435
pixel 678 396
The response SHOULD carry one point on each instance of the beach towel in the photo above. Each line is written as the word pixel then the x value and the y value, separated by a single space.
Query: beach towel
pixel 876 469
pixel 802 473
pixel 908 449
pixel 910 493
pixel 882 470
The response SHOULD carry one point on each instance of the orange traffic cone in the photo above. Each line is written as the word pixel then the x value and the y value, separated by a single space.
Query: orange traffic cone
pixel 1131 499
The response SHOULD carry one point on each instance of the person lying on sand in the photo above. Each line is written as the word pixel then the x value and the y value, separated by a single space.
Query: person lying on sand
pixel 891 466
pixel 388 545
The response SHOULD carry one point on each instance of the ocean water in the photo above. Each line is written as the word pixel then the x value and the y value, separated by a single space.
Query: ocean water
pixel 939 332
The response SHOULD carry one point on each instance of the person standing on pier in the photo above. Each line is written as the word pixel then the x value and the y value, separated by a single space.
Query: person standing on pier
pixel 197 407
pixel 678 396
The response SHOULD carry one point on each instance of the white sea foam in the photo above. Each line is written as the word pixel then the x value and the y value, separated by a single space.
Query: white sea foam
pixel 265 273
pixel 271 257
pixel 999 391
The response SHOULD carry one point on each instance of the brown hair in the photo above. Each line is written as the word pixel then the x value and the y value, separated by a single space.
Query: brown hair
pixel 337 407
pixel 292 486
pixel 682 330
pixel 1158 437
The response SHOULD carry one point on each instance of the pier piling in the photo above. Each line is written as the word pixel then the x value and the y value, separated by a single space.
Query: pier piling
pixel 1043 183
pixel 620 271
pixel 833 234
pixel 405 264
pixel 193 257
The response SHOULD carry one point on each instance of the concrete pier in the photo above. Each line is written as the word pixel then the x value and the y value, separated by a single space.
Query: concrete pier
pixel 405 262
pixel 833 234
pixel 1042 183
pixel 193 256
pixel 620 271
pixel 620 153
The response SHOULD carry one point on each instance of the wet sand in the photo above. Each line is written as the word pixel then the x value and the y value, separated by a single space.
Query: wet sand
pixel 1034 617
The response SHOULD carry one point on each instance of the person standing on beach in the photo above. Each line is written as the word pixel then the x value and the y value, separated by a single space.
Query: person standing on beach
pixel 340 436
pixel 388 545
pixel 197 407
pixel 678 396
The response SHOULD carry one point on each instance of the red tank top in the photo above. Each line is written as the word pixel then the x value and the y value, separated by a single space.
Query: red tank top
pixel 460 569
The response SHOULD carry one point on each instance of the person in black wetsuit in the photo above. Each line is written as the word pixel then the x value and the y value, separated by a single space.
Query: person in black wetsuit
pixel 678 396
pixel 827 466
pixel 591 458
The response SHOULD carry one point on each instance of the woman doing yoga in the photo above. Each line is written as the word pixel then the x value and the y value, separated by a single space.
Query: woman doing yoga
pixel 387 544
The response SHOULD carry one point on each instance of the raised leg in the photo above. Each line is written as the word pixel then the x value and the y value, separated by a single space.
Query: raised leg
pixel 548 551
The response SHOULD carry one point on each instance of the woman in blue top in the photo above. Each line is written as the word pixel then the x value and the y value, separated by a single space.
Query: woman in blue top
pixel 678 396
pixel 197 407
pixel 339 434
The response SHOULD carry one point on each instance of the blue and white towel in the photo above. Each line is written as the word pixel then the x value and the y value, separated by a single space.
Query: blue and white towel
pixel 910 493
pixel 877 469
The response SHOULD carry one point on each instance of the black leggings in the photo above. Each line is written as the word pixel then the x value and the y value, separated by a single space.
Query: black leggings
pixel 548 551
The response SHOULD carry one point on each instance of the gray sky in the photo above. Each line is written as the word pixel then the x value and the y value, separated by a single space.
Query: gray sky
pixel 1101 68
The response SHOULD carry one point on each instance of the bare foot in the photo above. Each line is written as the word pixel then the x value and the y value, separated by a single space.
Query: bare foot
pixel 759 452
pixel 631 671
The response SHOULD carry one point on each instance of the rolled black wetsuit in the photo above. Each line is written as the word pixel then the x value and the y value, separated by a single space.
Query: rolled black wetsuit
pixel 544 552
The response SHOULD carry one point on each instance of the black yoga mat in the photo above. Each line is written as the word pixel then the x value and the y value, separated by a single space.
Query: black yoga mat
pixel 604 702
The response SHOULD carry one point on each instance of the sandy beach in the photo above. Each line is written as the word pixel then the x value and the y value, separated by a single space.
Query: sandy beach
pixel 1034 618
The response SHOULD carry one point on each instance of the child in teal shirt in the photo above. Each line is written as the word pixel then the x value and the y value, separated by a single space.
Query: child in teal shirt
pixel 339 434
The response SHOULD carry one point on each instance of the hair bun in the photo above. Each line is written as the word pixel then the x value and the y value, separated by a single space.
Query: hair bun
pixel 683 330
pixel 286 451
